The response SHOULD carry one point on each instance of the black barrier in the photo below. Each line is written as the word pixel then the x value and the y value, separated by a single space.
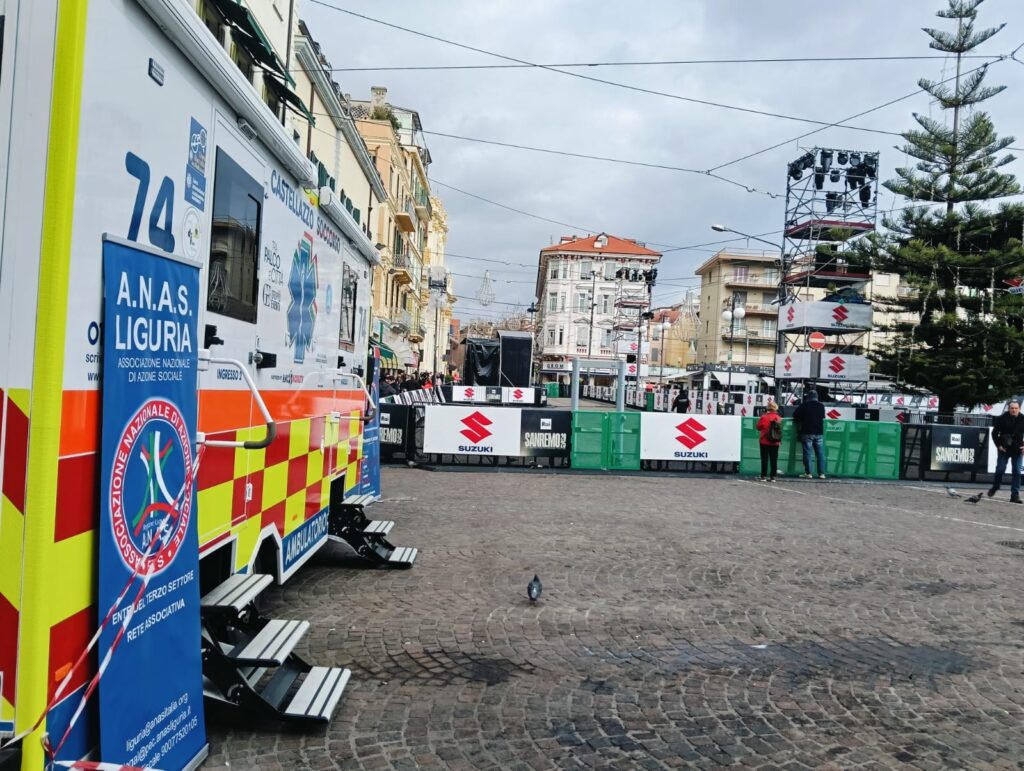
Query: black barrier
pixel 958 448
pixel 916 453
pixel 397 432
pixel 546 434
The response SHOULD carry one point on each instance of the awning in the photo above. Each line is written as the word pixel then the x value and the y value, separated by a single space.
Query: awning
pixel 768 379
pixel 388 360
pixel 251 36
pixel 738 378
pixel 290 98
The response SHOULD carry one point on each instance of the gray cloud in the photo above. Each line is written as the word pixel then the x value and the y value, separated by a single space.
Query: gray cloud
pixel 544 109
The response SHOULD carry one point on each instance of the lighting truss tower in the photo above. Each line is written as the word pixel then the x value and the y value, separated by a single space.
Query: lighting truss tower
pixel 831 200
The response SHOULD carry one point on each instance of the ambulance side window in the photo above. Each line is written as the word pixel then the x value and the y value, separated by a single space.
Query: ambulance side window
pixel 233 277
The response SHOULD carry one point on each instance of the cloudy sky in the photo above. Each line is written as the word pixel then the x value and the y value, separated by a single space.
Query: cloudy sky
pixel 545 109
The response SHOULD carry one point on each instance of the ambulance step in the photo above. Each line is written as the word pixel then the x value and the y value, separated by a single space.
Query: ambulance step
pixel 379 527
pixel 358 500
pixel 403 556
pixel 319 694
pixel 272 643
pixel 236 592
pixel 252 674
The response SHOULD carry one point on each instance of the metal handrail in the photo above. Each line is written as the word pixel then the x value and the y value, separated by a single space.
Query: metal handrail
pixel 205 359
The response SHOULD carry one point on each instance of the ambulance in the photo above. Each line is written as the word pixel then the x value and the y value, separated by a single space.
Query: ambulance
pixel 127 120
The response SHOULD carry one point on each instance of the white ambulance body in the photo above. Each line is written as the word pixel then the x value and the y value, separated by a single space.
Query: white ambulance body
pixel 128 118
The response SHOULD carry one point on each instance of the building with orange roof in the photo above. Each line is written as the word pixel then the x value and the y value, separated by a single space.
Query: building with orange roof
pixel 592 294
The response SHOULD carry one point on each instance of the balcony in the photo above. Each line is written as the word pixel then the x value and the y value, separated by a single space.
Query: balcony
pixel 755 337
pixel 764 309
pixel 631 301
pixel 405 217
pixel 401 321
pixel 754 279
pixel 417 331
pixel 423 208
pixel 401 269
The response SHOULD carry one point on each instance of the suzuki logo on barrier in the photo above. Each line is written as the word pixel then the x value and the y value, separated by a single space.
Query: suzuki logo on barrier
pixel 632 369
pixel 475 427
pixel 788 363
pixel 833 414
pixel 790 314
pixel 840 314
pixel 690 433
pixel 469 393
pixel 837 364
pixel 517 394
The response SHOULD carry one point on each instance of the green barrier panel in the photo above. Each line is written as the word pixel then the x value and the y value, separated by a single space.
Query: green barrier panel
pixel 606 440
pixel 588 431
pixel 853 448
pixel 623 440
pixel 649 403
pixel 552 389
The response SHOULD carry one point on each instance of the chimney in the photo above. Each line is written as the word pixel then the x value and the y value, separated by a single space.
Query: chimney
pixel 567 239
pixel 378 96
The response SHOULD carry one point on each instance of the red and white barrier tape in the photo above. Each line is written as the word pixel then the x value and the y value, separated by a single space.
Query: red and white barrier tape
pixel 52 752
pixel 91 765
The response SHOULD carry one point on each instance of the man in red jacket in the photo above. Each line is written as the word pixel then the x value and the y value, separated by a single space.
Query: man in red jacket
pixel 771 438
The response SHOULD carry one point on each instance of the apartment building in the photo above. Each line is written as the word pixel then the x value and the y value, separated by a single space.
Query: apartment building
pixel 394 136
pixel 593 293
pixel 752 278
pixel 437 292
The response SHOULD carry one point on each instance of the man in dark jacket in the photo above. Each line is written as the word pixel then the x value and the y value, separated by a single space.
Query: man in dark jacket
pixel 809 418
pixel 682 401
pixel 1008 437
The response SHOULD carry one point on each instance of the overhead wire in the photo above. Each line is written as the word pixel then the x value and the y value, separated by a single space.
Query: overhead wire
pixel 649 63
pixel 567 73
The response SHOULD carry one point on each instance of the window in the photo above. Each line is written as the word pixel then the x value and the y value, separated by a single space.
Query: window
pixel 656 356
pixel 610 266
pixel 586 268
pixel 551 335
pixel 881 279
pixel 561 335
pixel 582 302
pixel 582 338
pixel 242 60
pixel 767 328
pixel 213 22
pixel 554 269
pixel 740 272
pixel 561 301
pixel 768 298
pixel 771 276
pixel 606 303
pixel 606 338
pixel 233 280
pixel 552 301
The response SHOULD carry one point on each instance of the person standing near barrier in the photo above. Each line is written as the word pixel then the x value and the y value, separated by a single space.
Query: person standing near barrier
pixel 682 402
pixel 810 420
pixel 1008 437
pixel 769 426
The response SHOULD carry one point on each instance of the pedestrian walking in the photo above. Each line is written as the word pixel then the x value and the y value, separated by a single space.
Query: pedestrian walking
pixel 682 402
pixel 810 422
pixel 769 426
pixel 1008 437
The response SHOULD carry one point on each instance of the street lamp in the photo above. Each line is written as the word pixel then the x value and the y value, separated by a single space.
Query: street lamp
pixel 665 325
pixel 780 345
pixel 533 310
pixel 732 314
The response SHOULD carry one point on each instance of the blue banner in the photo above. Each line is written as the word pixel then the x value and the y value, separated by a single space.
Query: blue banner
pixel 151 695
pixel 369 480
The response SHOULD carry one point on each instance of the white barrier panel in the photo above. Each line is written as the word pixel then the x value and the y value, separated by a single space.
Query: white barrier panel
pixel 843 367
pixel 797 364
pixel 685 437
pixel 472 430
pixel 840 413
pixel 516 395
pixel 469 394
pixel 823 315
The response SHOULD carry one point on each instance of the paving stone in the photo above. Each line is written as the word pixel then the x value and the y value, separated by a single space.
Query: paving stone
pixel 685 622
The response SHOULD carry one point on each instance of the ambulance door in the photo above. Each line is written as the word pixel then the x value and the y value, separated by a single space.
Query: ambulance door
pixel 233 262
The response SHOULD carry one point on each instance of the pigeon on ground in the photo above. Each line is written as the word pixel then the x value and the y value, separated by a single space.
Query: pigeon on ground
pixel 534 588
pixel 973 498
pixel 952 493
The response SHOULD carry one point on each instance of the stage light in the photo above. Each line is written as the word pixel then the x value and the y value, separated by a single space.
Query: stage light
pixel 865 195
pixel 795 172
pixel 826 160
pixel 834 175
pixel 854 159
pixel 842 158
pixel 819 178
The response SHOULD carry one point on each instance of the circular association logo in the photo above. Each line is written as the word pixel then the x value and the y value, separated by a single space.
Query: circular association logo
pixel 151 487
pixel 191 230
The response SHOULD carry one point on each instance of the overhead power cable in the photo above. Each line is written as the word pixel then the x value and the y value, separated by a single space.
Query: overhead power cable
pixel 840 123
pixel 649 63
pixel 567 73
pixel 607 159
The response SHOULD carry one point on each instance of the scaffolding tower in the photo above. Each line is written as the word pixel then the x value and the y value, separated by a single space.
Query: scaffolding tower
pixel 831 200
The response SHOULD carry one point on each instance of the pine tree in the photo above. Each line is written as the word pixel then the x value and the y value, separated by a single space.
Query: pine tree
pixel 958 335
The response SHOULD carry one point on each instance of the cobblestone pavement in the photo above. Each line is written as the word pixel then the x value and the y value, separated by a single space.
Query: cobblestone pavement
pixel 684 622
